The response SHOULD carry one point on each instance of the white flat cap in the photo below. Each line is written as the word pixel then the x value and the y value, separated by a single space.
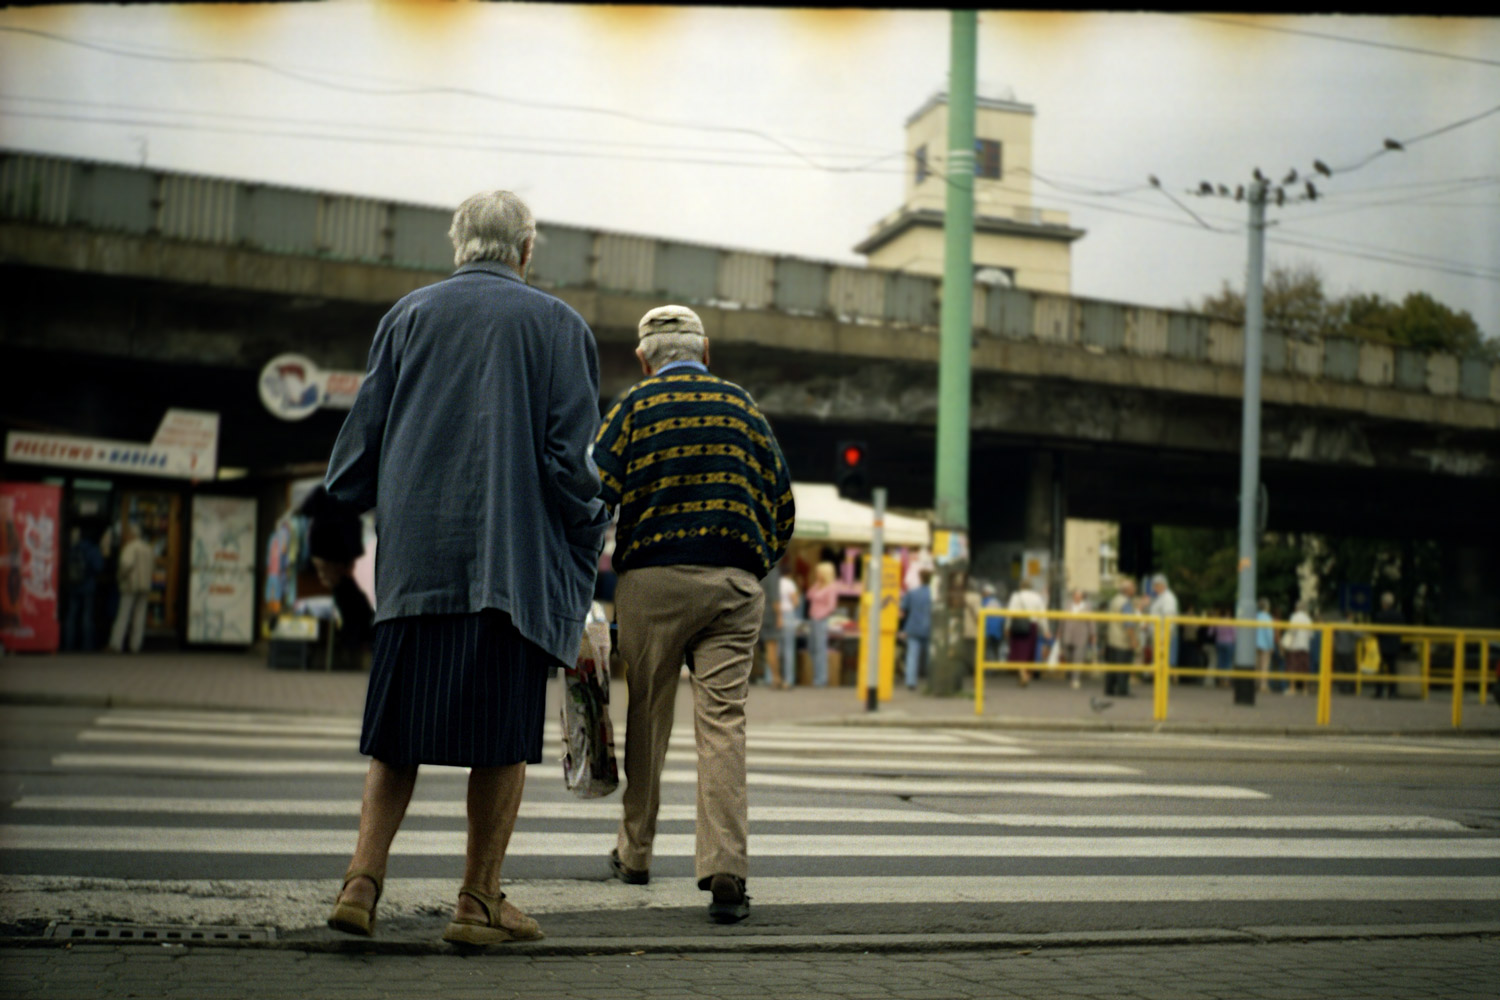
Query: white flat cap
pixel 670 319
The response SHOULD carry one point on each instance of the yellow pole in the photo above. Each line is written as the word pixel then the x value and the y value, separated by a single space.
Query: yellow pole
pixel 1426 667
pixel 1162 661
pixel 1325 677
pixel 1458 680
pixel 979 666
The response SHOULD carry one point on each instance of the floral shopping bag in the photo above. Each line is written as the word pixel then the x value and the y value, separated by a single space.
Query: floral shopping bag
pixel 589 767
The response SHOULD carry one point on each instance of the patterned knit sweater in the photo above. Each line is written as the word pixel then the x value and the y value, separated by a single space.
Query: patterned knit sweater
pixel 697 475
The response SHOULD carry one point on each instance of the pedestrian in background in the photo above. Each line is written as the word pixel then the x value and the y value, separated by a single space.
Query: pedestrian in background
pixel 1296 643
pixel 1345 645
pixel 705 510
pixel 1120 640
pixel 470 437
pixel 1265 644
pixel 1024 629
pixel 790 606
pixel 136 568
pixel 822 598
pixel 1164 605
pixel 916 629
pixel 1389 642
pixel 1076 638
pixel 994 626
pixel 1224 639
pixel 770 627
pixel 85 563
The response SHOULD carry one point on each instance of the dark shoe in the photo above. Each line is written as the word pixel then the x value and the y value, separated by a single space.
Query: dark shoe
pixel 627 875
pixel 731 904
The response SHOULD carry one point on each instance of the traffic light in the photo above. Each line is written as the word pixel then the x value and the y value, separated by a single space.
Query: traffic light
pixel 851 470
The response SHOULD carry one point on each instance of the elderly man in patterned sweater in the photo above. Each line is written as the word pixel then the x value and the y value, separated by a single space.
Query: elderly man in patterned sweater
pixel 705 504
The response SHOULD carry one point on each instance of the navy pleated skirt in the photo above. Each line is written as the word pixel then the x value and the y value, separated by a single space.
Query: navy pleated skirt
pixel 463 690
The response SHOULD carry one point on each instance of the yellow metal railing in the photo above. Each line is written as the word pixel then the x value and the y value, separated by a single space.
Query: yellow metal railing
pixel 1323 674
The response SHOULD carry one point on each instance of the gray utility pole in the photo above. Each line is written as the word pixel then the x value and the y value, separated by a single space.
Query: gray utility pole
pixel 955 354
pixel 1244 640
pixel 872 627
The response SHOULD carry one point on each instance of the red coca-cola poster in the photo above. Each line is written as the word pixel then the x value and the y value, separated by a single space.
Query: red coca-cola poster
pixel 29 556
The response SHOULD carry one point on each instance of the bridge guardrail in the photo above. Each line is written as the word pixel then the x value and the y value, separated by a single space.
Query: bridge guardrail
pixel 96 196
pixel 1163 673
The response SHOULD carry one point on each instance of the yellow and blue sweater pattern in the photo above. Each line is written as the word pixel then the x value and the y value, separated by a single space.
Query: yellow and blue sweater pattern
pixel 697 475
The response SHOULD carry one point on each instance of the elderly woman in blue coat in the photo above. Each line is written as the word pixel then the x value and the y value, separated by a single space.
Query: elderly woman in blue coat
pixel 470 439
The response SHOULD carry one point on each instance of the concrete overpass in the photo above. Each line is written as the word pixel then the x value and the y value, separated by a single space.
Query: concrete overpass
pixel 131 285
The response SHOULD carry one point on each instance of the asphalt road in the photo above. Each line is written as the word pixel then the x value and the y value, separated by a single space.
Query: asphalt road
pixel 201 818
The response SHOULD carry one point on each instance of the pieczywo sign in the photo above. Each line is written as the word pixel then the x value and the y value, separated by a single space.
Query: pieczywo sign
pixel 186 446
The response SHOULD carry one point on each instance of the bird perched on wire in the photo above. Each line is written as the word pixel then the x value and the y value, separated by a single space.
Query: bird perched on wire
pixel 1205 188
pixel 1322 168
pixel 1280 197
pixel 1393 144
pixel 1239 193
pixel 1099 704
pixel 1257 174
pixel 1223 191
pixel 1291 177
pixel 1312 192
pixel 1154 182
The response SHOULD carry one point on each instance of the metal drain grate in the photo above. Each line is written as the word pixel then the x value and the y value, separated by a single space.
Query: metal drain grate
pixel 157 934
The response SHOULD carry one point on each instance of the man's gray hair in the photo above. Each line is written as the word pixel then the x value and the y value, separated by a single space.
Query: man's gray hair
pixel 671 333
pixel 491 225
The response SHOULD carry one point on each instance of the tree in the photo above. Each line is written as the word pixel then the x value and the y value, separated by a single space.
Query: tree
pixel 1203 566
pixel 1294 301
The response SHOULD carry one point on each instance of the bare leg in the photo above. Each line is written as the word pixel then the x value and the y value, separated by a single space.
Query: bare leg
pixel 387 793
pixel 494 800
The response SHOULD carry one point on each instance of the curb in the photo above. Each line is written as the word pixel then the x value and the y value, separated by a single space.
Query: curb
pixel 830 943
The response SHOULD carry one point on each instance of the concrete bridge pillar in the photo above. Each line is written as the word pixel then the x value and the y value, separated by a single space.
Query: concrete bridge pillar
pixel 1017 510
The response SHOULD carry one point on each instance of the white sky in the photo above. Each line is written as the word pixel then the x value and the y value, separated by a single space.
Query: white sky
pixel 1118 97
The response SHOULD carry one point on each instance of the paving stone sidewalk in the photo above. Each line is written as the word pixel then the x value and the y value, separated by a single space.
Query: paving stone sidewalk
pixel 1409 969
pixel 244 682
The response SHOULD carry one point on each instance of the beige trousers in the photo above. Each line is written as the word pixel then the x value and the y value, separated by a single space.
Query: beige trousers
pixel 710 615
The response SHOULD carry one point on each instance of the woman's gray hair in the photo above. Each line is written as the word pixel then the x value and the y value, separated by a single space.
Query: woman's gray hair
pixel 491 225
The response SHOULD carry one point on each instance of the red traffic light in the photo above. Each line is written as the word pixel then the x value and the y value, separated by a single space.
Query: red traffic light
pixel 853 454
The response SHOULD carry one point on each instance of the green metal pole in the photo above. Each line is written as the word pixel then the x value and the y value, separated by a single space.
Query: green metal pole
pixel 958 284
pixel 951 504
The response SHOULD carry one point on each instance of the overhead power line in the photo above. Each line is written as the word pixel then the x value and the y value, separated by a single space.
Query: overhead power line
pixel 1345 39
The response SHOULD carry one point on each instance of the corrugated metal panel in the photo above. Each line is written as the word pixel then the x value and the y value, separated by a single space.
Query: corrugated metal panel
pixel 1377 364
pixel 198 209
pixel 857 293
pixel 1101 324
pixel 1009 312
pixel 1187 336
pixel 745 279
pixel 686 273
pixel 1226 344
pixel 1341 359
pixel 1442 374
pixel 113 198
pixel 913 299
pixel 279 220
pixel 1305 356
pixel 801 286
pixel 1273 351
pixel 35 188
pixel 1474 379
pixel 564 257
pixel 1411 369
pixel 1054 319
pixel 1145 331
pixel 353 228
pixel 624 263
pixel 419 238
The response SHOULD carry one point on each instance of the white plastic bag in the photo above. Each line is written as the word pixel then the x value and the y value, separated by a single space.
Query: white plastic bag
pixel 589 766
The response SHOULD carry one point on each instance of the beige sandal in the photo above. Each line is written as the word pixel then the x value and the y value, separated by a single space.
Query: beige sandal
pixel 491 931
pixel 351 918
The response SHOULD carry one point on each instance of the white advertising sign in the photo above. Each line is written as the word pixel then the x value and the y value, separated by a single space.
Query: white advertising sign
pixel 221 585
pixel 292 387
pixel 185 447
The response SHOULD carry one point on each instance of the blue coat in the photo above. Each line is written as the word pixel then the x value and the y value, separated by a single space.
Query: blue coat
pixel 470 438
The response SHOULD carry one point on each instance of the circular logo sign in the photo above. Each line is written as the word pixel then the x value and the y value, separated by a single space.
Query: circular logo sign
pixel 291 386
